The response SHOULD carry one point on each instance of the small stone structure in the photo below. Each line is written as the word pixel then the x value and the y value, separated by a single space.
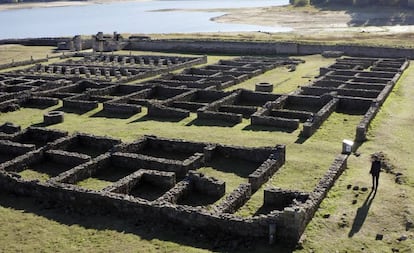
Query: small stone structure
pixel 53 117
pixel 264 87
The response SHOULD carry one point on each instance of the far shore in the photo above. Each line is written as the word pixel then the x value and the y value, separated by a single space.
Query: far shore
pixel 16 6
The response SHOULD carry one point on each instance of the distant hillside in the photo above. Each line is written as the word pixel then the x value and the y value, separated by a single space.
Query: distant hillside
pixel 403 3
pixel 32 1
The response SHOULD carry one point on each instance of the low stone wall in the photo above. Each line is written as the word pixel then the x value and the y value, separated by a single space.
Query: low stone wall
pixel 176 145
pixel 41 101
pixel 246 111
pixel 250 154
pixel 264 172
pixel 9 147
pixel 235 199
pixel 274 122
pixel 142 161
pixel 40 135
pixel 265 48
pixel 161 111
pixel 64 157
pixel 115 108
pixel 310 127
pixel 362 128
pixel 280 198
pixel 353 105
pixel 9 128
pixel 83 171
pixel 292 114
pixel 80 105
pixel 318 91
pixel 180 190
pixel 95 143
pixel 36 41
pixel 207 185
pixel 165 180
pixel 21 162
pixel 322 188
pixel 220 116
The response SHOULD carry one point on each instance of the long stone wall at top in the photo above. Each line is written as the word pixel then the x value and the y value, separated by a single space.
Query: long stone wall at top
pixel 266 48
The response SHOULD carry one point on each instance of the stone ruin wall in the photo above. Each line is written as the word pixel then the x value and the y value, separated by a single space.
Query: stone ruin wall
pixel 265 48
pixel 290 221
pixel 113 199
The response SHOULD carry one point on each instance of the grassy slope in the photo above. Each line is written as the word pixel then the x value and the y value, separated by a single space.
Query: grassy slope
pixel 39 229
pixel 23 53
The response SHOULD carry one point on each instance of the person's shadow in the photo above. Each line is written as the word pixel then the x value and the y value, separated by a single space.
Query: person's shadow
pixel 361 214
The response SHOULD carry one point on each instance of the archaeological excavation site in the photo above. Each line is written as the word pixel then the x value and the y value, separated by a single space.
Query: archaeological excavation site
pixel 222 136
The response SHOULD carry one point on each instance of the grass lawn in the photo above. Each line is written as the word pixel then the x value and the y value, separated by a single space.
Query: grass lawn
pixel 23 53
pixel 28 227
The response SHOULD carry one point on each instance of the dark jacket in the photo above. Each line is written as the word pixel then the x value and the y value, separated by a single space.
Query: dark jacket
pixel 375 167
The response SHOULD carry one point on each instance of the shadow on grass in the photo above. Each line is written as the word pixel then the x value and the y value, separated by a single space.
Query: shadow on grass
pixel 159 119
pixel 144 229
pixel 105 114
pixel 242 168
pixel 36 106
pixel 206 122
pixel 41 124
pixel 372 15
pixel 265 209
pixel 362 214
pixel 195 198
pixel 73 110
pixel 301 139
pixel 267 128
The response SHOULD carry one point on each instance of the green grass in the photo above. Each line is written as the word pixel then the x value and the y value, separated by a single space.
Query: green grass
pixel 24 53
pixel 93 184
pixel 29 174
pixel 285 81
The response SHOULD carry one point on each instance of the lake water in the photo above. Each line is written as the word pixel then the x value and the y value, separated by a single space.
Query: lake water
pixel 127 17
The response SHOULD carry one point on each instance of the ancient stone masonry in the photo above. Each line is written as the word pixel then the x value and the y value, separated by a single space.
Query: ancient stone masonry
pixel 130 185
pixel 350 85
pixel 171 96
pixel 360 84
pixel 152 178
pixel 265 48
pixel 105 67
pixel 288 111
pixel 226 73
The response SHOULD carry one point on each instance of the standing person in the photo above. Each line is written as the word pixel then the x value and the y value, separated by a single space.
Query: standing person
pixel 375 171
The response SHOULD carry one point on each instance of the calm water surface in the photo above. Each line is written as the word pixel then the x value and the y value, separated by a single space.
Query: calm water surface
pixel 127 17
